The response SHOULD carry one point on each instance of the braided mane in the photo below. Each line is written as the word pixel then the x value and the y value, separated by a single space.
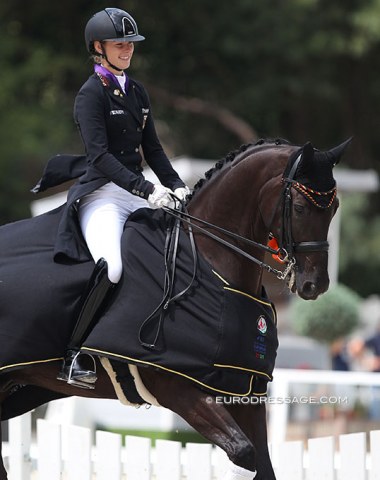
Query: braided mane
pixel 230 157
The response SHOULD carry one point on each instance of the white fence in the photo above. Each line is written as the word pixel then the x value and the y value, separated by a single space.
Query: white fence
pixel 285 378
pixel 68 453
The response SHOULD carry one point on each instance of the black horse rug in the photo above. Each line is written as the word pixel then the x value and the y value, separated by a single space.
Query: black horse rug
pixel 214 335
pixel 39 299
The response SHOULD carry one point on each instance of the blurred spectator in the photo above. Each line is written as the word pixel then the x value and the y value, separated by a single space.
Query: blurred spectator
pixel 368 352
pixel 340 359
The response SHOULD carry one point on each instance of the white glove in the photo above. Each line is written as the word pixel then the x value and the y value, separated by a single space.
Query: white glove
pixel 160 197
pixel 182 192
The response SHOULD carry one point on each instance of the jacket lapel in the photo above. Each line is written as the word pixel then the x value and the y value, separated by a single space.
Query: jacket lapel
pixel 133 104
pixel 129 102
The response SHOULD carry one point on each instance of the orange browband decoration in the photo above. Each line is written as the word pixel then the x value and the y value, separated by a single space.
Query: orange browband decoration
pixel 308 192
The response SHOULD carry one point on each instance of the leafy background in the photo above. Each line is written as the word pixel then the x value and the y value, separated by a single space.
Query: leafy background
pixel 219 74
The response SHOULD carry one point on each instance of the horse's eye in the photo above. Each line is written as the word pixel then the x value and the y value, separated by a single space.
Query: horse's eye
pixel 299 208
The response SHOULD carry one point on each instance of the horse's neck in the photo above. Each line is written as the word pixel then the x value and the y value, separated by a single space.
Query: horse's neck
pixel 232 205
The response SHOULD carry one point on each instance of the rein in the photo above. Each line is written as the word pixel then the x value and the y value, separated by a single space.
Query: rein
pixel 188 219
pixel 170 255
pixel 170 258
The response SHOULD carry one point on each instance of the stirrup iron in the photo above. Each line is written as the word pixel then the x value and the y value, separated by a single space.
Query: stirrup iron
pixel 75 381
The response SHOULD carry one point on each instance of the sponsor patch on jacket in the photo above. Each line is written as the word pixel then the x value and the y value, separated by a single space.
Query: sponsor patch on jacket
pixel 117 112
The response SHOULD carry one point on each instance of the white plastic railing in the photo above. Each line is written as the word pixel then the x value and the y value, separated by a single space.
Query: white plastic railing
pixel 61 452
pixel 284 379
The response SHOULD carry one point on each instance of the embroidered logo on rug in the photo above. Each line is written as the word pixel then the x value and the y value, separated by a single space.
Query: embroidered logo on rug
pixel 262 325
pixel 260 346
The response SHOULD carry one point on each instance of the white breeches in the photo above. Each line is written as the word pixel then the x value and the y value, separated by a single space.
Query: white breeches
pixel 102 215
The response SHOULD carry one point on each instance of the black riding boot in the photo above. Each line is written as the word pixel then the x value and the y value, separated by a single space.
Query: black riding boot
pixel 74 368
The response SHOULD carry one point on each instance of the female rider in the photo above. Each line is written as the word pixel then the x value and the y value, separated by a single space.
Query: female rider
pixel 114 117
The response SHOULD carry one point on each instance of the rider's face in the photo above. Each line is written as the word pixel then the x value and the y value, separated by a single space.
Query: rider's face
pixel 118 53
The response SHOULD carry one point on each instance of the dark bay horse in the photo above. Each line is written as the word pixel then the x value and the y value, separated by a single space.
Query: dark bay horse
pixel 271 187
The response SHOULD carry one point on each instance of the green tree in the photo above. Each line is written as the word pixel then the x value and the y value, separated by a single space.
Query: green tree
pixel 359 258
pixel 218 74
pixel 331 317
pixel 35 98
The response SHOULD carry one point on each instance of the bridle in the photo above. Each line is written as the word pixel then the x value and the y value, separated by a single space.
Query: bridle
pixel 287 243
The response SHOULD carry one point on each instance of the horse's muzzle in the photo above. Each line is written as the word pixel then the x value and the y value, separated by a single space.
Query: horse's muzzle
pixel 313 279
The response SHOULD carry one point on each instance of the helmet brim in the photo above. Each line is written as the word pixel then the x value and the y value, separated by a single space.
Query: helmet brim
pixel 130 38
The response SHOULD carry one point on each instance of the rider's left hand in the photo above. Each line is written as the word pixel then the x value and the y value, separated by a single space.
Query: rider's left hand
pixel 182 192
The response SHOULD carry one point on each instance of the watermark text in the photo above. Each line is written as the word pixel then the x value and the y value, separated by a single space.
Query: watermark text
pixel 303 399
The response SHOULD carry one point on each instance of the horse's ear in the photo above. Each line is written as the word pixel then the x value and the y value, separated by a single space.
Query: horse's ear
pixel 307 154
pixel 335 153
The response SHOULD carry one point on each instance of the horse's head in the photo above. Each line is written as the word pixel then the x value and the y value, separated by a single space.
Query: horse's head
pixel 308 204
pixel 275 187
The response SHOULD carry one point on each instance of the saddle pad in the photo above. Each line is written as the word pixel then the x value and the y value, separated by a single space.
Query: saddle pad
pixel 215 335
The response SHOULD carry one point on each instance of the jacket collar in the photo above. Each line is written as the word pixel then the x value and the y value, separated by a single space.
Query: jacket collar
pixel 108 74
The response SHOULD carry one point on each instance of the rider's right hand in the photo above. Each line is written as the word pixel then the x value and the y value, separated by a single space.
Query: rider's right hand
pixel 161 197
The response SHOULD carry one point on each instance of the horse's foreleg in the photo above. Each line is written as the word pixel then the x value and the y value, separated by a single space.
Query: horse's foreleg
pixel 208 417
pixel 252 419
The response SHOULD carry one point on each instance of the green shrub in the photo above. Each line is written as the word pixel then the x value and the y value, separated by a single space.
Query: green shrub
pixel 333 315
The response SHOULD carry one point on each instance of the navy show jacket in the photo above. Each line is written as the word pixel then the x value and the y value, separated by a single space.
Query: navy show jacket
pixel 114 127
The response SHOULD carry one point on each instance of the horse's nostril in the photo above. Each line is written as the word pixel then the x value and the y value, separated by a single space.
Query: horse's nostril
pixel 309 289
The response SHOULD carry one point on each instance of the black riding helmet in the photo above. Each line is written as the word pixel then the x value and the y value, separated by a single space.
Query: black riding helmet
pixel 111 24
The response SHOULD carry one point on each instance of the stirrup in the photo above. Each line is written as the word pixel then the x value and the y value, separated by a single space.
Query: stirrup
pixel 77 382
